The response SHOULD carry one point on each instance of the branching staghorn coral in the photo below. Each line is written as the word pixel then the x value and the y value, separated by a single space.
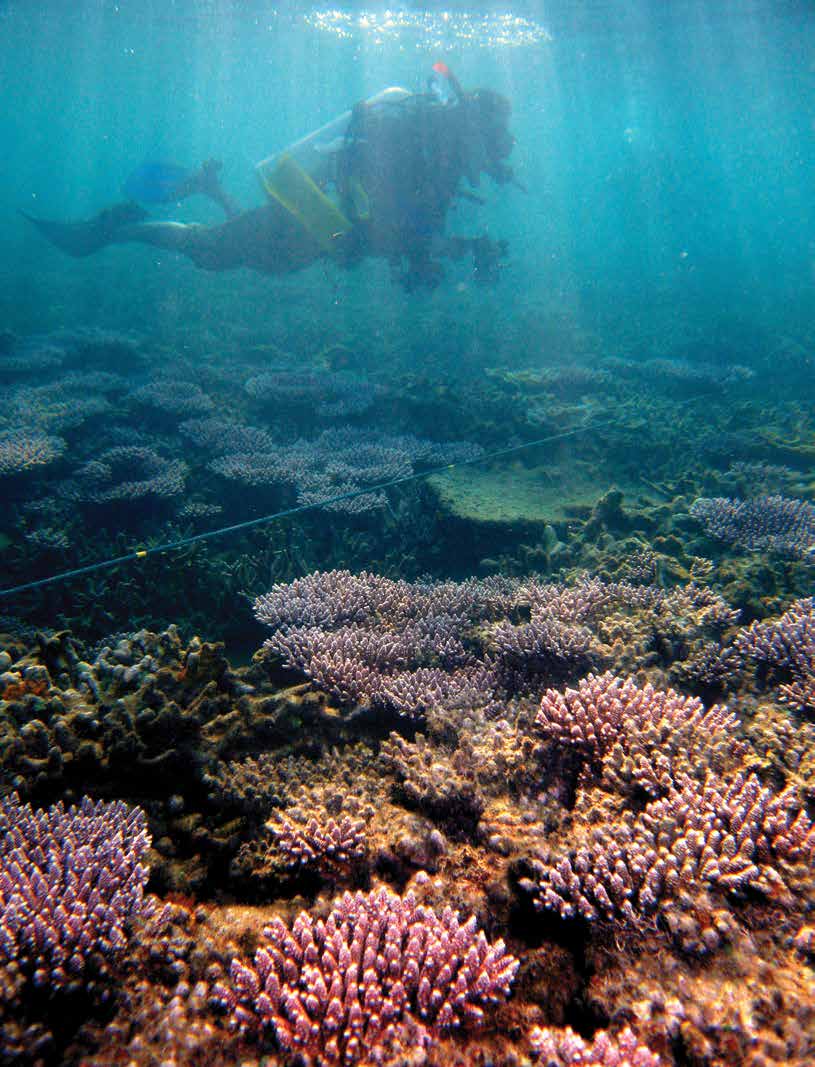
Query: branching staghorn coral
pixel 565 1048
pixel 310 837
pixel 71 881
pixel 634 738
pixel 379 971
pixel 323 831
pixel 775 523
pixel 698 837
pixel 125 473
pixel 784 648
pixel 340 461
pixel 23 451
pixel 427 648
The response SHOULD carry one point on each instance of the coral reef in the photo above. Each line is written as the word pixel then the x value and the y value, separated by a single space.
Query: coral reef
pixel 636 738
pixel 379 972
pixel 592 821
pixel 140 715
pixel 258 785
pixel 327 627
pixel 71 881
pixel 599 749
pixel 786 746
pixel 565 1047
pixel 775 523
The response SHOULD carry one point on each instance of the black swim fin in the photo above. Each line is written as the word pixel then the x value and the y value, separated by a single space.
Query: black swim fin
pixel 84 238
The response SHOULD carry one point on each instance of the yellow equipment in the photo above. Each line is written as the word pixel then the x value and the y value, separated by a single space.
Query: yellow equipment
pixel 292 187
pixel 294 176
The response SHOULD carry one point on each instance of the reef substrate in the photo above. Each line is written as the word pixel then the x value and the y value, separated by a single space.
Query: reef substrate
pixel 495 821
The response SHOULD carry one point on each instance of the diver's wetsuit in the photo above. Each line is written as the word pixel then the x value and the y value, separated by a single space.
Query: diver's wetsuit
pixel 267 239
pixel 397 174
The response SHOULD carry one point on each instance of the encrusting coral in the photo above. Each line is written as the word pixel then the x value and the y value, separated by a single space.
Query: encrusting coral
pixel 430 780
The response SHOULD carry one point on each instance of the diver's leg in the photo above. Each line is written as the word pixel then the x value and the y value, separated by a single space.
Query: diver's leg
pixel 206 182
pixel 267 239
pixel 207 246
pixel 487 255
pixel 211 247
pixel 181 237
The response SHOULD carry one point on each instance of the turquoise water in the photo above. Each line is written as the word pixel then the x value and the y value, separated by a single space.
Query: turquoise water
pixel 663 210
pixel 492 596
pixel 667 150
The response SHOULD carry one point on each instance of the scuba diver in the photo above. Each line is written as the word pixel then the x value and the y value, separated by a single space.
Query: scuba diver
pixel 376 182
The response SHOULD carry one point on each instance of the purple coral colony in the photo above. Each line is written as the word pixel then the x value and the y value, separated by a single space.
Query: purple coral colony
pixel 484 789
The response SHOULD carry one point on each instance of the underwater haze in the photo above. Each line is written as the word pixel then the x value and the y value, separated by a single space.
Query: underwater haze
pixel 667 148
pixel 407 540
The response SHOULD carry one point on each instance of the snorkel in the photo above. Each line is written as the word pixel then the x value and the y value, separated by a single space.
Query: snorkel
pixel 444 85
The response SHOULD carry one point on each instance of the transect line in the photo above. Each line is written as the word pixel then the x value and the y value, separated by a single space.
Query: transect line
pixel 299 509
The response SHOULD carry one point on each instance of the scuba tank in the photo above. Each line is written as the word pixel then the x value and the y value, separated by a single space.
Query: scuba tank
pixel 294 177
pixel 315 153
